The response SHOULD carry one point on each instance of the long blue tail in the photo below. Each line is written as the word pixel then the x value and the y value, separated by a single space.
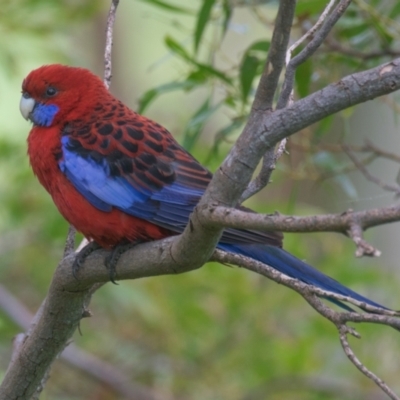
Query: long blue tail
pixel 291 266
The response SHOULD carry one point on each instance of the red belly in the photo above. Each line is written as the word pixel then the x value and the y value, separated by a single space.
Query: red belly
pixel 106 228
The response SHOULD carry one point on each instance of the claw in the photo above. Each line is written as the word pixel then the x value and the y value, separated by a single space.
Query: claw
pixel 81 257
pixel 112 259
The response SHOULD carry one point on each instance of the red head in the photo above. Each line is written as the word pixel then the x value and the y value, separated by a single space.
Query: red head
pixel 55 93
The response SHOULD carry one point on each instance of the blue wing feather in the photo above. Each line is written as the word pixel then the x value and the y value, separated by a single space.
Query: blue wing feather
pixel 293 267
pixel 169 204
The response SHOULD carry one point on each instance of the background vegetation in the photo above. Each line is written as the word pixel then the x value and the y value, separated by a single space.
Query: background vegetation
pixel 216 333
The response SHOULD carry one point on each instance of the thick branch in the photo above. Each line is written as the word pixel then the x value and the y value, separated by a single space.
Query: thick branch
pixel 44 343
pixel 67 299
pixel 80 359
pixel 262 132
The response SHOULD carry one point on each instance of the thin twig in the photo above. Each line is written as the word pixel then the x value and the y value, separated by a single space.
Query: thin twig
pixel 109 43
pixel 70 241
pixel 311 31
pixel 368 147
pixel 282 102
pixel 361 167
pixel 270 158
pixel 332 45
pixel 343 331
pixel 107 66
pixel 363 248
pixel 268 166
pixel 379 316
pixel 309 50
pixel 276 57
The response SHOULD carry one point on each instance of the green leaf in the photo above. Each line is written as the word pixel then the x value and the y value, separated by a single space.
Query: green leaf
pixel 227 10
pixel 208 70
pixel 303 78
pixel 324 126
pixel 395 11
pixel 174 46
pixel 204 69
pixel 168 7
pixel 251 66
pixel 309 7
pixel 197 76
pixel 148 97
pixel 196 124
pixel 202 21
pixel 262 45
pixel 247 73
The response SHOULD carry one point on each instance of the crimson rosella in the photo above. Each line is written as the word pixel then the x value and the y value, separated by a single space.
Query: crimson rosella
pixel 120 177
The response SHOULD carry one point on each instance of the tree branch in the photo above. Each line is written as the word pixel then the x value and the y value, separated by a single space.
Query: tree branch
pixel 341 223
pixel 263 132
pixel 268 166
pixel 73 355
pixel 333 45
pixel 276 56
pixel 343 331
pixel 377 316
pixel 339 319
pixel 68 299
pixel 286 97
pixel 109 43
pixel 271 157
pixel 267 88
pixel 368 176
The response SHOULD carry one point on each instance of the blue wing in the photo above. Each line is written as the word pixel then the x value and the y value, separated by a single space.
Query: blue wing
pixel 129 169
pixel 158 181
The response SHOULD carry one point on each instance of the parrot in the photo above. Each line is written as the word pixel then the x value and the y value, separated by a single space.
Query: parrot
pixel 120 178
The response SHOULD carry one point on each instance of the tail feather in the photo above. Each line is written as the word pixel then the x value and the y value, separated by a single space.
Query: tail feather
pixel 291 266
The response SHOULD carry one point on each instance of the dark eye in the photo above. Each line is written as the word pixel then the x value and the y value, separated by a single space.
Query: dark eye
pixel 51 91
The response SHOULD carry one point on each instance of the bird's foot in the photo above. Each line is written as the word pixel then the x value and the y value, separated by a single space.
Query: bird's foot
pixel 116 253
pixel 81 257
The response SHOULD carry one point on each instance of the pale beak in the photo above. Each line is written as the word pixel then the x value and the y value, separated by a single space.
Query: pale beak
pixel 26 105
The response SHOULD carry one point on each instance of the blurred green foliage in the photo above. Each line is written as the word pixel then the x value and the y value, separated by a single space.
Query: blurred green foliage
pixel 219 332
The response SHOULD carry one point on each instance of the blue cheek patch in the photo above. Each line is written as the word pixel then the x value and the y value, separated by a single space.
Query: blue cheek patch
pixel 43 114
